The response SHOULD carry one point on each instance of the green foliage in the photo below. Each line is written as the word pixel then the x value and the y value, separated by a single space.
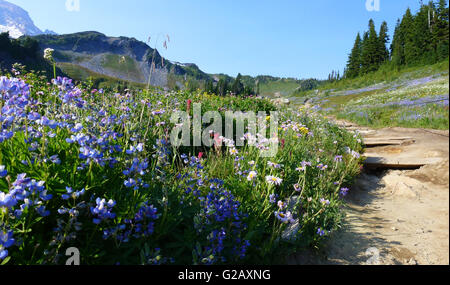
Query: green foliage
pixel 334 76
pixel 422 38
pixel 226 85
pixel 222 87
pixel 397 46
pixel 192 85
pixel 410 50
pixel 441 30
pixel 20 48
pixel 419 39
pixel 370 60
pixel 193 71
pixel 72 40
pixel 383 38
pixel 308 84
pixel 354 61
pixel 101 138
pixel 25 51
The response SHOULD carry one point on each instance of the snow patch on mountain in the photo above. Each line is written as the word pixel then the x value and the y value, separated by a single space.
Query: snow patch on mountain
pixel 17 21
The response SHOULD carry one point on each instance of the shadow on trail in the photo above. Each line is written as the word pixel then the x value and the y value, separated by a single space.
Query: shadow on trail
pixel 357 241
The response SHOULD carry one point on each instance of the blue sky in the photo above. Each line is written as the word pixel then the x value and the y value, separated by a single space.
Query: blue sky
pixel 286 38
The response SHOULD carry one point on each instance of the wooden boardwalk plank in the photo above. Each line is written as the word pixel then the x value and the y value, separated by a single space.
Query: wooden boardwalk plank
pixel 404 163
pixel 370 142
pixel 381 143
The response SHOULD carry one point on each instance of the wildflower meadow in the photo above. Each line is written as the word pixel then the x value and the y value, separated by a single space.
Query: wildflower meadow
pixel 96 170
pixel 420 102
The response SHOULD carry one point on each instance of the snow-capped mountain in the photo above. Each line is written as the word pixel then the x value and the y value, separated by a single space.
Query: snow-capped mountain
pixel 17 21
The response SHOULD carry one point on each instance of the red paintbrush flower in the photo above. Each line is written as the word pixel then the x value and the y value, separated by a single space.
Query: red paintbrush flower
pixel 189 103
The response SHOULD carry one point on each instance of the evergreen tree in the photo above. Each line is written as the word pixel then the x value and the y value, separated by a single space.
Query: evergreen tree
pixel 441 30
pixel 237 88
pixel 30 45
pixel 411 52
pixel 364 42
pixel 192 85
pixel 422 37
pixel 398 46
pixel 222 87
pixel 248 91
pixel 369 56
pixel 364 61
pixel 354 60
pixel 209 87
pixel 333 76
pixel 5 42
pixel 383 52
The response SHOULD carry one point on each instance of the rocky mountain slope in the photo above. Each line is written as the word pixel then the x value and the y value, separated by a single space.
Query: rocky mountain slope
pixel 120 57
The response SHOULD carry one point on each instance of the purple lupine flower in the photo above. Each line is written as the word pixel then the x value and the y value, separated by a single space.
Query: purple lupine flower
pixel 103 210
pixel 6 241
pixel 320 232
pixel 3 171
pixel 344 191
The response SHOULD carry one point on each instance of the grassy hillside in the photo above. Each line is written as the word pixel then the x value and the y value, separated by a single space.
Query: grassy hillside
pixel 80 73
pixel 283 86
pixel 116 62
pixel 411 97
pixel 388 74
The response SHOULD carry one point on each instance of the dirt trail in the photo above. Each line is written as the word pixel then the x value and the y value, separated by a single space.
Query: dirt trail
pixel 395 216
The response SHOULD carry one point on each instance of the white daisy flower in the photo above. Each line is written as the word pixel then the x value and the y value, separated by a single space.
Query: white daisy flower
pixel 272 180
pixel 234 151
pixel 252 175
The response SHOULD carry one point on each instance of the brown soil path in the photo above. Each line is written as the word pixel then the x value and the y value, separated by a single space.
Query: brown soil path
pixel 395 216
